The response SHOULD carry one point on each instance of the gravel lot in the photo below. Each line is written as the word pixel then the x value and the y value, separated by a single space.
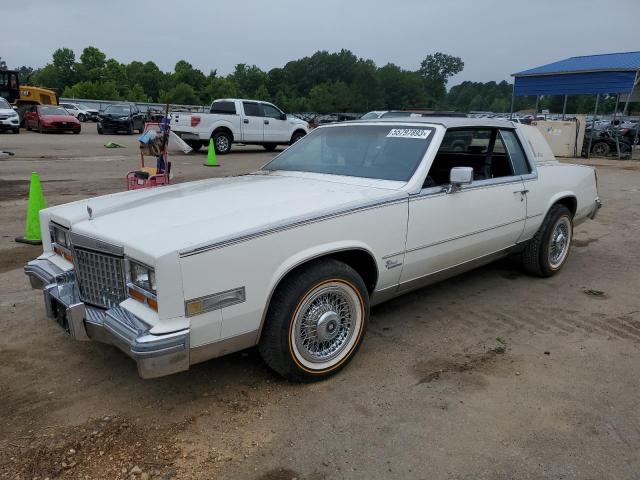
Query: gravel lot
pixel 490 375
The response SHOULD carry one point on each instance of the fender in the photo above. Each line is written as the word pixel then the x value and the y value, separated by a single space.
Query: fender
pixel 303 257
pixel 559 196
pixel 226 124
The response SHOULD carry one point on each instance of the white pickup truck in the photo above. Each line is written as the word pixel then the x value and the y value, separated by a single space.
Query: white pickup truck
pixel 239 121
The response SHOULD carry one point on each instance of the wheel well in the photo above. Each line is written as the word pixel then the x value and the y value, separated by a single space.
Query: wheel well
pixel 299 130
pixel 360 260
pixel 570 202
pixel 222 129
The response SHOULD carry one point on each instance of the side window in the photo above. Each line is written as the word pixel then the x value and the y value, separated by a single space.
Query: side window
pixel 482 149
pixel 518 157
pixel 223 108
pixel 271 112
pixel 252 109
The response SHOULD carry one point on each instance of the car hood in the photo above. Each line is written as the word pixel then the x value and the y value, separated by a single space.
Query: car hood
pixel 154 222
pixel 59 118
pixel 7 111
pixel 115 115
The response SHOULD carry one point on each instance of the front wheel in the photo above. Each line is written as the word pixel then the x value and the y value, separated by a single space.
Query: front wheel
pixel 316 321
pixel 296 136
pixel 16 130
pixel 82 118
pixel 222 142
pixel 547 252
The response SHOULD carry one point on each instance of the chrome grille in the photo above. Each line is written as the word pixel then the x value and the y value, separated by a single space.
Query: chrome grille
pixel 100 277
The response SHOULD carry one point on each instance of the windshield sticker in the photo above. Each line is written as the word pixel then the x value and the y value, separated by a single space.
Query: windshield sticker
pixel 419 133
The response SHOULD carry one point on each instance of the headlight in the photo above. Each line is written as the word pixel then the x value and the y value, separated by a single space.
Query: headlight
pixel 142 277
pixel 60 241
pixel 59 236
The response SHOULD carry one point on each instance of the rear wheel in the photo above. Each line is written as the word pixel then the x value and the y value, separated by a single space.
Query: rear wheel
pixel 40 128
pixel 600 149
pixel 195 146
pixel 222 142
pixel 547 252
pixel 316 321
pixel 269 147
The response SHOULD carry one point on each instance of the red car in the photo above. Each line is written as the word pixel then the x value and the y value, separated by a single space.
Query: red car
pixel 50 118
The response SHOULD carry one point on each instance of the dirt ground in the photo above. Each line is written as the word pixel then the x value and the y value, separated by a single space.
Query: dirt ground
pixel 490 375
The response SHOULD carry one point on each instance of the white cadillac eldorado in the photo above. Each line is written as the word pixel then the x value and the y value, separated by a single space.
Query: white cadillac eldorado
pixel 291 257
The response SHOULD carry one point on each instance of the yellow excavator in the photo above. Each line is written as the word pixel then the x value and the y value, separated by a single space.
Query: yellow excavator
pixel 23 96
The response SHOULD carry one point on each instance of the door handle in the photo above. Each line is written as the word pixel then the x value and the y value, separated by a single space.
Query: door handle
pixel 266 122
pixel 246 120
pixel 522 192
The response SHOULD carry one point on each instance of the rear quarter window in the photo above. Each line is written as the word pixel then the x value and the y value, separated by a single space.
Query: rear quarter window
pixel 223 108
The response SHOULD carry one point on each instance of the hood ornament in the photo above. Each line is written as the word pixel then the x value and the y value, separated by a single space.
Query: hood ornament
pixel 90 212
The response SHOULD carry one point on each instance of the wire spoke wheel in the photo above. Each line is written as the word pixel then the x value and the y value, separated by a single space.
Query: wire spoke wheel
pixel 326 324
pixel 559 242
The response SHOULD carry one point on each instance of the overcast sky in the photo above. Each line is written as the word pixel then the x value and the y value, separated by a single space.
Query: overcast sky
pixel 494 38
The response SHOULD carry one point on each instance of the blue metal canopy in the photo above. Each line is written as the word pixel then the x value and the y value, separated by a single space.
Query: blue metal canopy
pixel 592 74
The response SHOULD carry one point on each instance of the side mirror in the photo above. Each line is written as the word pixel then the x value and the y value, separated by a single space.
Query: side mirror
pixel 459 176
pixel 283 116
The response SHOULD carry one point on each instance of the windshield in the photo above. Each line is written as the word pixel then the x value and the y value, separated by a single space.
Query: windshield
pixel 53 111
pixel 117 109
pixel 4 103
pixel 385 152
pixel 82 106
pixel 370 115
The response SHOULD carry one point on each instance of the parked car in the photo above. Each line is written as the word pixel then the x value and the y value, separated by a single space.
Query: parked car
pixel 294 255
pixel 47 118
pixel 238 121
pixel 80 111
pixel 373 114
pixel 9 118
pixel 121 118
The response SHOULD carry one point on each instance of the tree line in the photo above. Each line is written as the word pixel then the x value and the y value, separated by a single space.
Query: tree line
pixel 323 82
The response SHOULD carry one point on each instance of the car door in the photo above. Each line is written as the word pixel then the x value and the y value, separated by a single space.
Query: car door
pixel 276 125
pixel 252 123
pixel 481 218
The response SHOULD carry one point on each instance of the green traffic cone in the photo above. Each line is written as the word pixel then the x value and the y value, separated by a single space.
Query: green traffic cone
pixel 36 203
pixel 211 155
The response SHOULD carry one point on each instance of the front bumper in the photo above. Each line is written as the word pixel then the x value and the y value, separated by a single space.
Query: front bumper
pixel 114 125
pixel 155 355
pixel 9 123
